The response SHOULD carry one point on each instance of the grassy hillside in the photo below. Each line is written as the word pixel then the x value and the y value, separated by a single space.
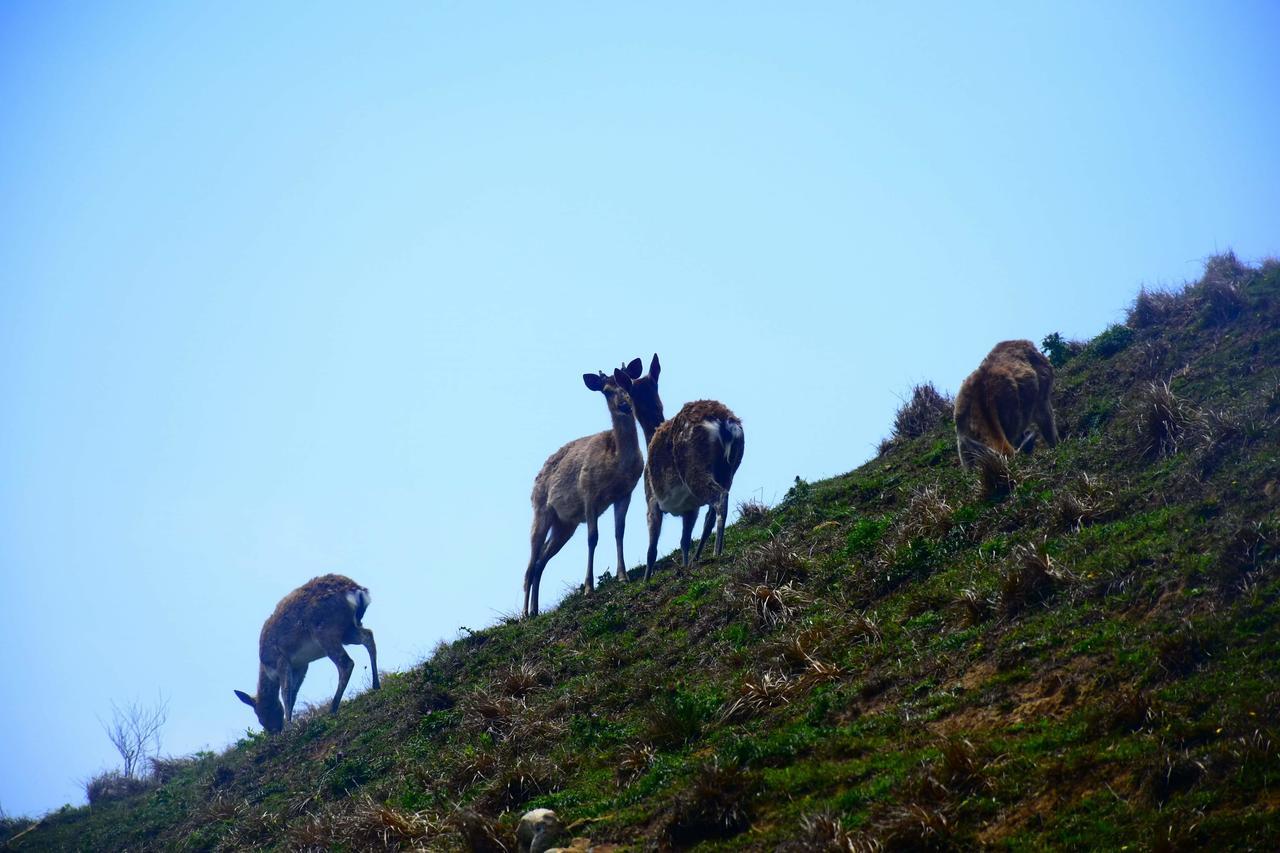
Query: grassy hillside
pixel 885 659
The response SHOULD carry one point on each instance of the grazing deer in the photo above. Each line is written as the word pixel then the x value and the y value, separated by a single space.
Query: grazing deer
pixel 315 620
pixel 692 460
pixel 581 480
pixel 999 401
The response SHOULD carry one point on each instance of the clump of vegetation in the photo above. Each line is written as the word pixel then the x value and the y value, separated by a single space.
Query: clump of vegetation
pixel 114 785
pixel 1221 288
pixel 753 512
pixel 1160 419
pixel 1113 340
pixel 1058 350
pixel 1150 308
pixel 995 473
pixel 922 412
pixel 716 805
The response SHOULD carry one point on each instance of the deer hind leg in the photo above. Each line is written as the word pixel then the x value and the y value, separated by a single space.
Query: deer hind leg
pixel 721 515
pixel 1045 421
pixel 686 535
pixel 707 526
pixel 653 514
pixel 541 528
pixel 561 532
pixel 593 536
pixel 619 527
pixel 332 646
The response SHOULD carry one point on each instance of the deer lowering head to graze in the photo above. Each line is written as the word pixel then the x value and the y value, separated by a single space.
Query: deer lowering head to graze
pixel 581 480
pixel 999 402
pixel 691 463
pixel 315 620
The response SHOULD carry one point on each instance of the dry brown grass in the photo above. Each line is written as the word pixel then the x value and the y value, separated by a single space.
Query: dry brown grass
pixel 1221 288
pixel 971 608
pixel 1083 501
pixel 1159 420
pixel 777 560
pixel 634 761
pixel 1151 308
pixel 995 473
pixel 927 408
pixel 771 605
pixel 753 512
pixel 1030 577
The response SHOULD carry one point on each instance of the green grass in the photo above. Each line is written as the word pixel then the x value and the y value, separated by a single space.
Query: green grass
pixel 908 690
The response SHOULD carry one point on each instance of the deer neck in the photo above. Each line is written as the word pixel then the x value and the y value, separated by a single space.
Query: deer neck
pixel 650 429
pixel 624 436
pixel 268 686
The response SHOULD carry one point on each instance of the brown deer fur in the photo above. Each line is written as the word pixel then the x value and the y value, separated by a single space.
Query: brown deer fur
pixel 999 402
pixel 692 460
pixel 581 480
pixel 315 620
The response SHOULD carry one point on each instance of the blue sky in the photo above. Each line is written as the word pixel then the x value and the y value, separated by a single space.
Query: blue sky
pixel 295 288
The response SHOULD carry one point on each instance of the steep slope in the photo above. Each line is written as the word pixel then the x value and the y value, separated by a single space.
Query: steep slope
pixel 886 659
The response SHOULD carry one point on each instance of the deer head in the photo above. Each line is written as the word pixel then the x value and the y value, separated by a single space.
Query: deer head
pixel 269 710
pixel 615 394
pixel 644 394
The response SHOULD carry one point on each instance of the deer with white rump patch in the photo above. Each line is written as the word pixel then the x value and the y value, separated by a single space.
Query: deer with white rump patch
pixel 315 620
pixel 691 463
pixel 581 480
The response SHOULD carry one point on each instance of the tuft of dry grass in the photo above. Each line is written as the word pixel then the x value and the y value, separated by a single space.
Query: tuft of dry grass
pixel 913 826
pixel 926 409
pixel 771 605
pixel 633 762
pixel 1085 500
pixel 775 560
pixel 1031 577
pixel 824 832
pixel 753 512
pixel 758 693
pixel 971 608
pixel 716 805
pixel 365 824
pixel 1221 288
pixel 521 680
pixel 928 514
pixel 1160 419
pixel 114 785
pixel 1151 308
pixel 995 473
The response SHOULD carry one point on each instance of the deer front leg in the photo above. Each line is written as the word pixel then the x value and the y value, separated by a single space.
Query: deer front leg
pixel 286 688
pixel 291 686
pixel 653 514
pixel 720 518
pixel 345 666
pixel 619 527
pixel 372 648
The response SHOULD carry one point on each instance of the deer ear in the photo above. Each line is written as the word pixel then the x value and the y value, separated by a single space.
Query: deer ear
pixel 635 369
pixel 654 367
pixel 593 381
pixel 623 380
pixel 246 699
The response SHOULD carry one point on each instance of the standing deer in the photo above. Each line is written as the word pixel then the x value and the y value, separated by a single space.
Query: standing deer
pixel 315 620
pixel 581 480
pixel 999 401
pixel 692 460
